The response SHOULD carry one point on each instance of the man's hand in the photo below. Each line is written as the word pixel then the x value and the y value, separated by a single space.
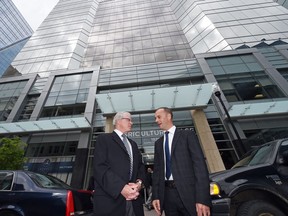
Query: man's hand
pixel 202 210
pixel 130 191
pixel 156 205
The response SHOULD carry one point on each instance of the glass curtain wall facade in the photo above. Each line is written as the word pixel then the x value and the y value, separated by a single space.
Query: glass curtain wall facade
pixel 9 94
pixel 282 2
pixel 135 32
pixel 61 39
pixel 14 33
pixel 211 26
pixel 103 47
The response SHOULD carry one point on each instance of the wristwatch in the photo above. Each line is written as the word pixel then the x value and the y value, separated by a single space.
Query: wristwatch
pixel 140 182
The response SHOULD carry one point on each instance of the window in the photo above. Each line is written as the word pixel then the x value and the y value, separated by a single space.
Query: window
pixel 9 93
pixel 68 96
pixel 241 78
pixel 284 72
pixel 6 179
pixel 46 181
pixel 29 107
pixel 69 89
pixel 63 148
pixel 56 111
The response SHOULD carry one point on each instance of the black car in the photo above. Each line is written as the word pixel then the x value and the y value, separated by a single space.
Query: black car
pixel 257 185
pixel 24 193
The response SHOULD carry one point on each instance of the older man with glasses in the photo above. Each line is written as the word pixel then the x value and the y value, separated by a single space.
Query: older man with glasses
pixel 118 171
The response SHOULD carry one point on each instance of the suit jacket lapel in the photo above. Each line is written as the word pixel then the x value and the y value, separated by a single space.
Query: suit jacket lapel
pixel 161 149
pixel 175 140
pixel 118 140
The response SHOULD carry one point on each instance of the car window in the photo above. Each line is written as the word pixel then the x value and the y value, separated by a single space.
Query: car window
pixel 46 181
pixel 257 156
pixel 6 179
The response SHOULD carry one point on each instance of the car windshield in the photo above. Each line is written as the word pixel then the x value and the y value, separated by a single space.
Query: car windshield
pixel 47 181
pixel 257 156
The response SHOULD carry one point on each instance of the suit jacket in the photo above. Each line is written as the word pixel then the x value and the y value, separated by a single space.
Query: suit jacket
pixel 111 168
pixel 188 167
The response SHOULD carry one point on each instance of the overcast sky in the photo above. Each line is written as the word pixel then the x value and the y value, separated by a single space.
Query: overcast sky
pixel 35 11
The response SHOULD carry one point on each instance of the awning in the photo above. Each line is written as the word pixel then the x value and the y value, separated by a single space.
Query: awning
pixel 141 101
pixel 258 109
pixel 45 125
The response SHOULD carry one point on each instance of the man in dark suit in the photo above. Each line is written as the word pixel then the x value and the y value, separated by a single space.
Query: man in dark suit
pixel 118 172
pixel 180 187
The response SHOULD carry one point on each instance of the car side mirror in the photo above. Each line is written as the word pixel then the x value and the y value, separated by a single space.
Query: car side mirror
pixel 283 160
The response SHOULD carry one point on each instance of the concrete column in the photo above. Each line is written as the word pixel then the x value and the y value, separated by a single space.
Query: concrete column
pixel 207 141
pixel 80 164
pixel 109 127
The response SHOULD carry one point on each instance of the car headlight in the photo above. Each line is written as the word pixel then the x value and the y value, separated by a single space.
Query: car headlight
pixel 214 188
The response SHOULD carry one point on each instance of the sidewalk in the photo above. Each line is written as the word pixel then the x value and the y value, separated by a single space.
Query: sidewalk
pixel 150 213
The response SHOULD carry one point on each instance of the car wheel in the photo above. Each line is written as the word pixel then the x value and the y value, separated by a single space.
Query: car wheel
pixel 258 208
pixel 8 213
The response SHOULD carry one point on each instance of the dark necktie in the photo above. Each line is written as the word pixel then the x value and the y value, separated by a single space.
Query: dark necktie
pixel 125 141
pixel 168 158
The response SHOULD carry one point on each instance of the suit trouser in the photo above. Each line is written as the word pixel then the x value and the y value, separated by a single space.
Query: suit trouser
pixel 129 208
pixel 173 205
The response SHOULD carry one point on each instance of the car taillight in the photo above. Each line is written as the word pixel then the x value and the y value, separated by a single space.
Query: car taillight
pixel 69 204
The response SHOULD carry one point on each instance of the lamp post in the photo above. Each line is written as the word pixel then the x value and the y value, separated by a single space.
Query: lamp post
pixel 217 93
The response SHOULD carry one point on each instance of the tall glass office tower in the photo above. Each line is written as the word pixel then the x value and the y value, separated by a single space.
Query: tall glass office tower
pixel 282 2
pixel 121 33
pixel 14 33
pixel 91 59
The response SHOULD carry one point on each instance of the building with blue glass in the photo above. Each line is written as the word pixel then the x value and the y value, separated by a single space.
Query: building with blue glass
pixel 90 59
pixel 282 2
pixel 14 33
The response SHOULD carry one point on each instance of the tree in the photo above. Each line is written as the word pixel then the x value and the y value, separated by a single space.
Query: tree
pixel 12 153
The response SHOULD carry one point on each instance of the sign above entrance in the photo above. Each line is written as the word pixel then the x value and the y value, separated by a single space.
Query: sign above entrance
pixel 142 101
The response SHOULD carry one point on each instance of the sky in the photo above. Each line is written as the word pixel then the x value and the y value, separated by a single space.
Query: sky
pixel 35 11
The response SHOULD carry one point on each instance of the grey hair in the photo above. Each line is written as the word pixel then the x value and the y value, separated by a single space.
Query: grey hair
pixel 119 116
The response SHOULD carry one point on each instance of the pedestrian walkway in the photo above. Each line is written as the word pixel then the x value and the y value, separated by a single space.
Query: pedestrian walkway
pixel 151 212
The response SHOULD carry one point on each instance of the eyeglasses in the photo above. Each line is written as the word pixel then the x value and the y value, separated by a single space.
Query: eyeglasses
pixel 127 119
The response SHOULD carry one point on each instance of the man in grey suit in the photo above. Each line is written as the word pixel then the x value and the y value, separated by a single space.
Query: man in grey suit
pixel 118 172
pixel 180 186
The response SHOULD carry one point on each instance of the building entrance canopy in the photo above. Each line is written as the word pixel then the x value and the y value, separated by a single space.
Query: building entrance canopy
pixel 143 101
pixel 259 109
pixel 44 125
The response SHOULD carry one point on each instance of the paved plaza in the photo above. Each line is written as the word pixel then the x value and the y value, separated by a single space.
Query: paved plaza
pixel 151 212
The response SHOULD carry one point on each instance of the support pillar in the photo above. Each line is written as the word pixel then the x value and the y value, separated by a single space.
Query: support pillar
pixel 80 163
pixel 207 141
pixel 109 127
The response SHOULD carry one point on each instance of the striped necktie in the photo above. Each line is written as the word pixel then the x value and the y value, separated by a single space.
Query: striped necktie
pixel 126 143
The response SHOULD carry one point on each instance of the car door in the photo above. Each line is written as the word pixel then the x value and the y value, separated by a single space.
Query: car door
pixel 35 200
pixel 282 168
pixel 6 182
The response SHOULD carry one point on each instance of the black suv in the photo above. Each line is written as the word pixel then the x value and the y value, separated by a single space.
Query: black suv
pixel 256 185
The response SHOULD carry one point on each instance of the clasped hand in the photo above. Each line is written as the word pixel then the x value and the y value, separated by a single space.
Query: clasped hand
pixel 131 191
